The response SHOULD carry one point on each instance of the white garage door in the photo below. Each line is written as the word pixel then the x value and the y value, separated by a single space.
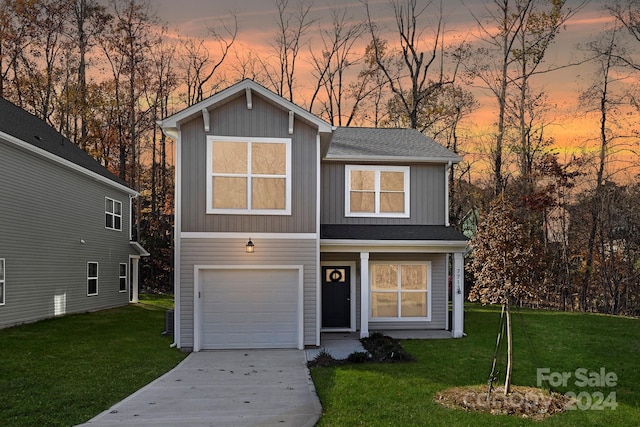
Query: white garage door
pixel 249 309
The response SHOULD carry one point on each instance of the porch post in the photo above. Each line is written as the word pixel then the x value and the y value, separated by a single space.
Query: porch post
pixel 134 278
pixel 457 330
pixel 364 294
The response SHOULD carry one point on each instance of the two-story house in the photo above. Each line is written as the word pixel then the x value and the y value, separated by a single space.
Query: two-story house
pixel 65 242
pixel 287 227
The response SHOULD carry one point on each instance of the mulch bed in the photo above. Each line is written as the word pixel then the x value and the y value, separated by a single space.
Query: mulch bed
pixel 526 402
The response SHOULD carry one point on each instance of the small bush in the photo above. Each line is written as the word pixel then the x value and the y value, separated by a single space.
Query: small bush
pixel 385 349
pixel 358 357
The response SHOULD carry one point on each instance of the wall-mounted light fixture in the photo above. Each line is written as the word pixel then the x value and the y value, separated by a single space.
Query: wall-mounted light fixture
pixel 250 246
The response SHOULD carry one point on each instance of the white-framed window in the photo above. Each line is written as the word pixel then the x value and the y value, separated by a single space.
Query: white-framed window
pixel 381 191
pixel 113 214
pixel 400 290
pixel 122 276
pixel 2 280
pixel 92 278
pixel 248 175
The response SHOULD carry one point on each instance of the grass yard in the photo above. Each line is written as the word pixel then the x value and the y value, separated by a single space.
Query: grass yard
pixel 64 371
pixel 402 394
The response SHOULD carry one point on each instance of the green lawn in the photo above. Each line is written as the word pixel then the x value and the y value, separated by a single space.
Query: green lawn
pixel 64 371
pixel 403 394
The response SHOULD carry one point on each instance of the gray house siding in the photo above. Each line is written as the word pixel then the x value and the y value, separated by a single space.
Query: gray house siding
pixel 206 251
pixel 46 211
pixel 427 196
pixel 263 120
pixel 439 309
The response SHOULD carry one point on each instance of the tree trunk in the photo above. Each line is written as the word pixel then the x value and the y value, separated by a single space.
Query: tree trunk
pixel 507 376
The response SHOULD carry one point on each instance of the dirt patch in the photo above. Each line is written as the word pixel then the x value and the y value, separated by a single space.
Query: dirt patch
pixel 526 402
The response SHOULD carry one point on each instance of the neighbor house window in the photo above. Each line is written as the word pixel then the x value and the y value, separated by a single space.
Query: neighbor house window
pixel 123 277
pixel 400 291
pixel 113 214
pixel 377 191
pixel 2 281
pixel 249 176
pixel 92 278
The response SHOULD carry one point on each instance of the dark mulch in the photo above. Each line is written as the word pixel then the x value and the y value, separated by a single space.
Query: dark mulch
pixel 526 402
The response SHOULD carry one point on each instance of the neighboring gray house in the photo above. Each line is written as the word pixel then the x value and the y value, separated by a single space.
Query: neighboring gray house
pixel 286 226
pixel 65 241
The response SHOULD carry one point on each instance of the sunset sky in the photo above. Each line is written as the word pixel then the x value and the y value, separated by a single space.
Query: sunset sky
pixel 257 28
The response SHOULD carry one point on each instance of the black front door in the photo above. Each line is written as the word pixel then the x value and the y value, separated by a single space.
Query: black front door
pixel 336 297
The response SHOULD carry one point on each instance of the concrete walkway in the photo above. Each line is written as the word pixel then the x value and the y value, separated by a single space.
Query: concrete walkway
pixel 233 388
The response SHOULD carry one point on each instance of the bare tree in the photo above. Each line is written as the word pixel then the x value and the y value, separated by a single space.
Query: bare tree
pixel 331 67
pixel 417 71
pixel 201 65
pixel 291 37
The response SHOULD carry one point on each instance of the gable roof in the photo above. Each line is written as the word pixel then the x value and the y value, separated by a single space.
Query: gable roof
pixel 389 144
pixel 172 122
pixel 29 132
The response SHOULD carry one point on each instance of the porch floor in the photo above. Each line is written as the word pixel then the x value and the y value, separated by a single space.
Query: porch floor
pixel 341 344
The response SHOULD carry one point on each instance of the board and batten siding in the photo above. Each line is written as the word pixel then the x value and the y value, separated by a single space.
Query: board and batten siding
pixel 264 120
pixel 231 251
pixel 46 211
pixel 427 197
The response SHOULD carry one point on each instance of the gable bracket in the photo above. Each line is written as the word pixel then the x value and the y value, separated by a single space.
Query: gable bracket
pixel 249 102
pixel 206 118
pixel 291 115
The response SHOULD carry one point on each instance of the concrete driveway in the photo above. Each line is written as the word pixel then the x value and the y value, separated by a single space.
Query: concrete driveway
pixel 229 388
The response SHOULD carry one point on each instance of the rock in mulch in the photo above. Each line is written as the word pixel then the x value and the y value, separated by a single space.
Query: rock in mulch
pixel 526 402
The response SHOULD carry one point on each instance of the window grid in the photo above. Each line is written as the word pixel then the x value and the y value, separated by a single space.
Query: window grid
pixel 398 291
pixel 122 276
pixel 377 191
pixel 92 278
pixel 249 177
pixel 113 214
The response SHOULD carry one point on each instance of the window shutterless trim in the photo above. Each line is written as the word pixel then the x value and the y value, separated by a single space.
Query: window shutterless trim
pixel 399 292
pixel 3 279
pixel 248 176
pixel 116 219
pixel 91 278
pixel 122 277
pixel 377 191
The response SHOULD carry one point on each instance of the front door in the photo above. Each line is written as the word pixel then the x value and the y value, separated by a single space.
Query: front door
pixel 336 297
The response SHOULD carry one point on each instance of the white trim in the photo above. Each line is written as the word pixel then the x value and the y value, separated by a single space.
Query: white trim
pixel 197 330
pixel 236 235
pixel 364 294
pixel 177 251
pixel 206 118
pixel 446 194
pixel 447 264
pixel 429 291
pixel 113 214
pixel 138 247
pixel 317 238
pixel 457 329
pixel 377 169
pixel 352 294
pixel 247 92
pixel 211 139
pixel 96 277
pixel 125 277
pixel 3 280
pixel 421 246
pixel 64 162
pixel 392 159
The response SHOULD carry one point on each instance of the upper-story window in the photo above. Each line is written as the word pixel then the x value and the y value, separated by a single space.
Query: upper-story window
pixel 249 176
pixel 113 214
pixel 377 191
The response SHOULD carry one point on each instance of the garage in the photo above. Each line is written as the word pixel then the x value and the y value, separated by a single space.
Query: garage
pixel 252 307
